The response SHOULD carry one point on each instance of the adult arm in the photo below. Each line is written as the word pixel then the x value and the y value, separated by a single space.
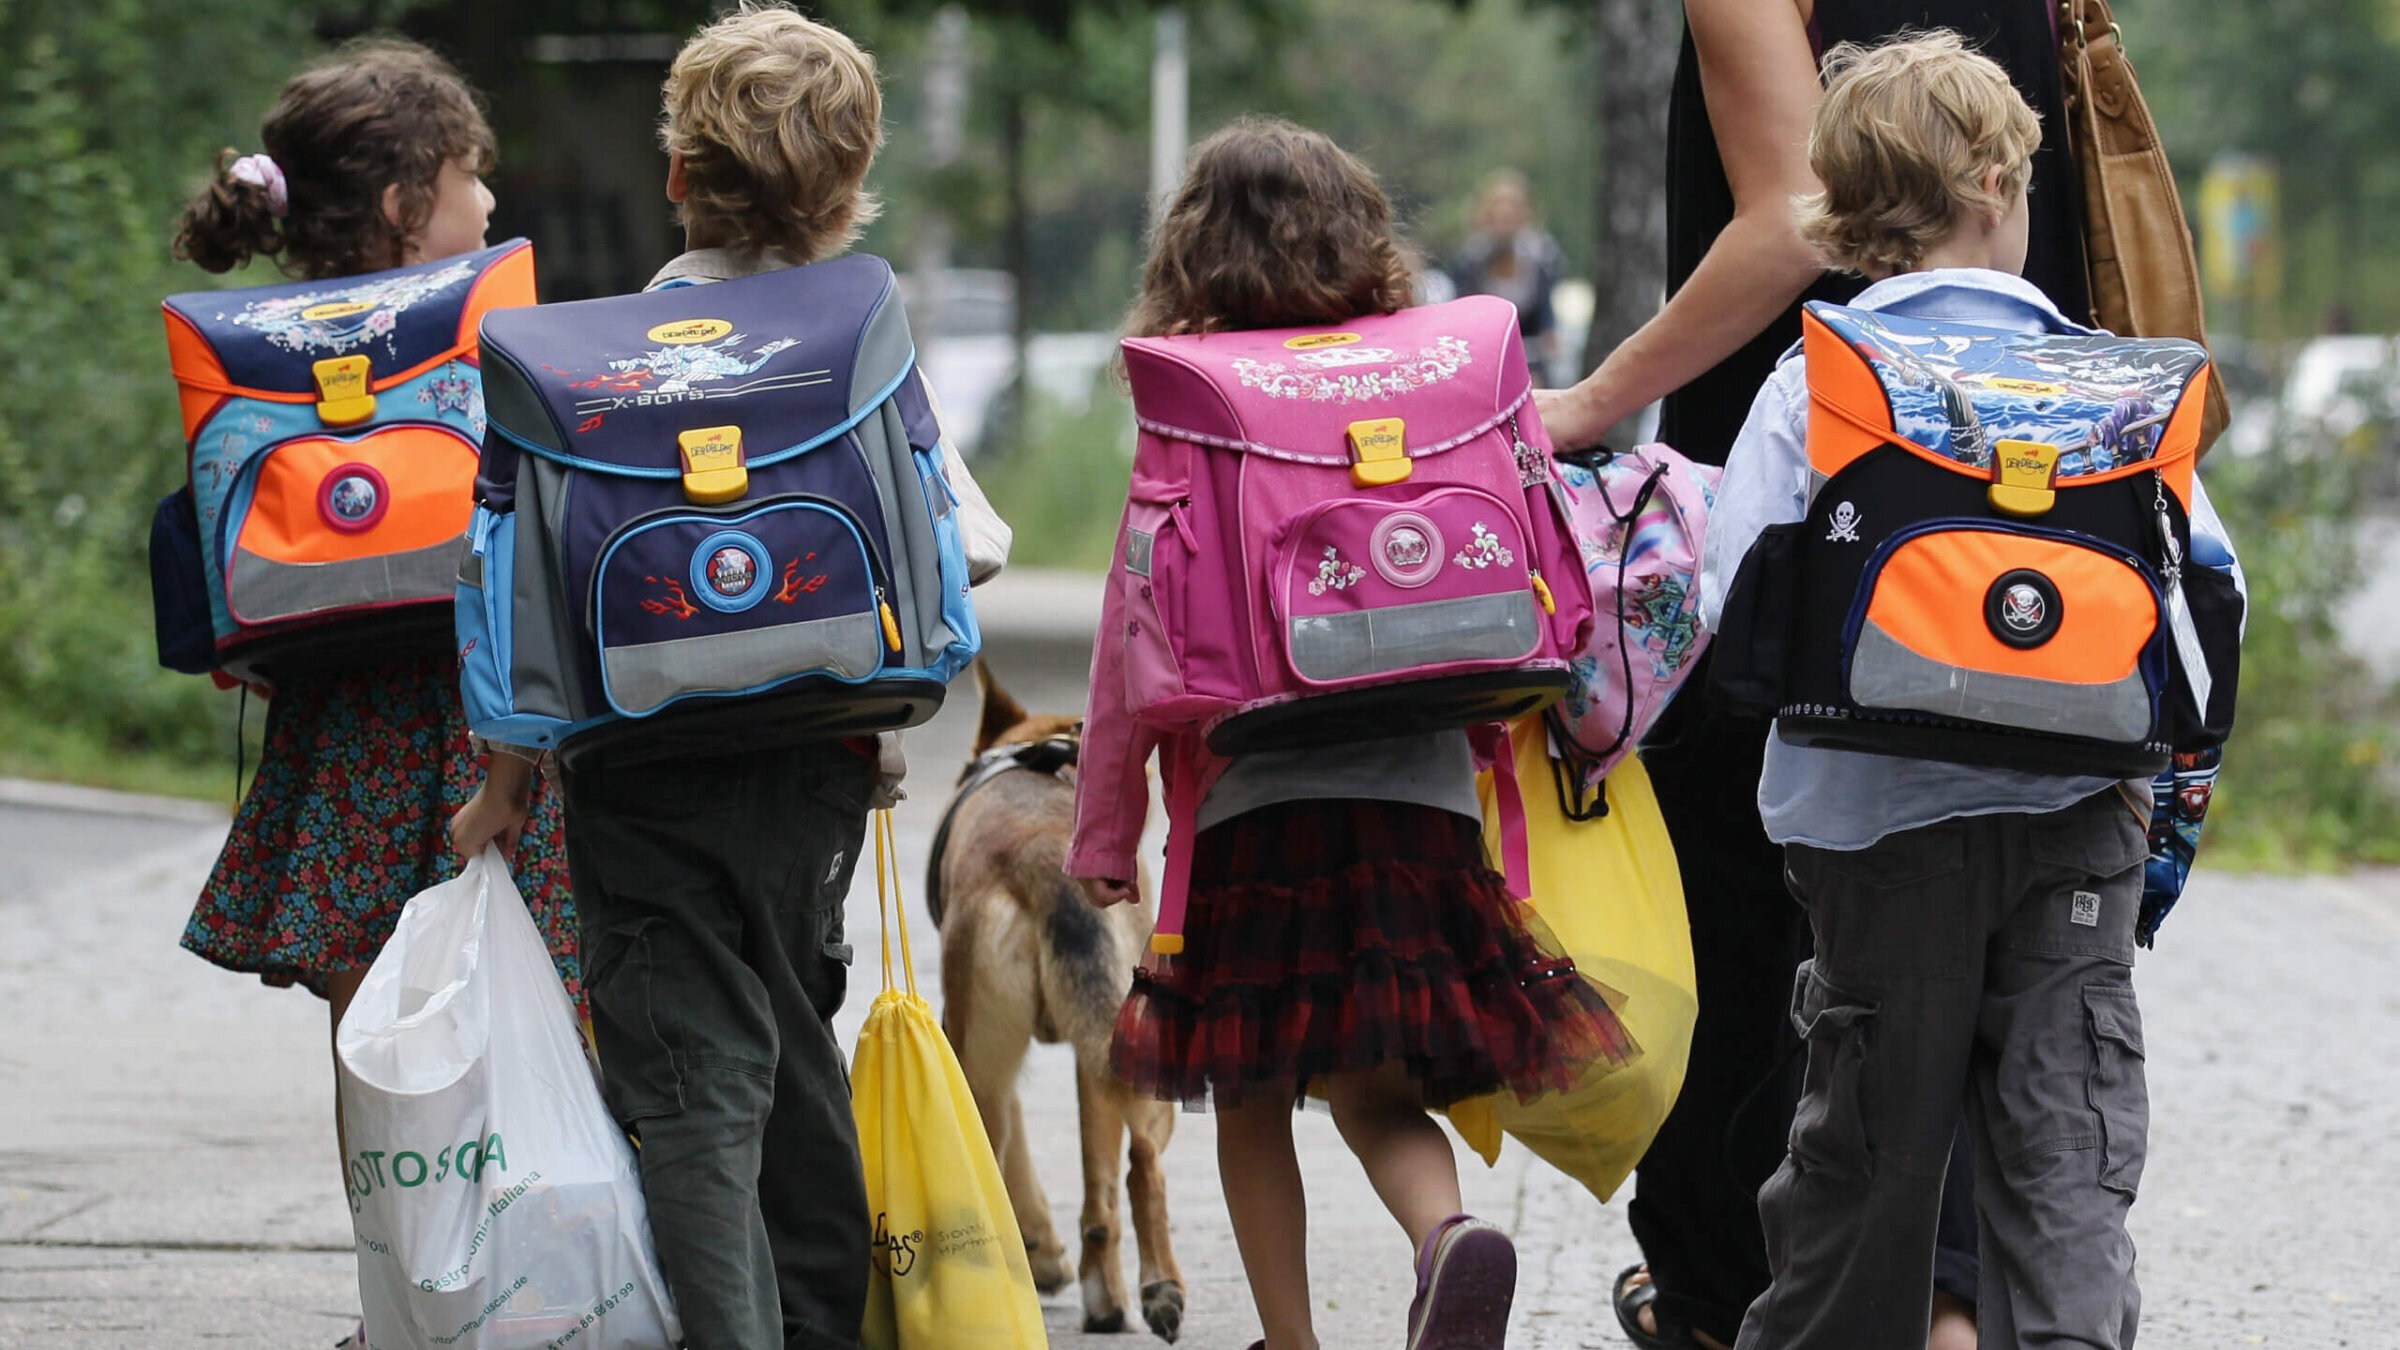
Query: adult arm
pixel 1760 82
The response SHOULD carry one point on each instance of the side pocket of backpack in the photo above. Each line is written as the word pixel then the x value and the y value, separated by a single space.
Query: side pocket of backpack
pixel 483 574
pixel 1153 574
pixel 2216 606
pixel 957 607
pixel 1752 647
pixel 187 639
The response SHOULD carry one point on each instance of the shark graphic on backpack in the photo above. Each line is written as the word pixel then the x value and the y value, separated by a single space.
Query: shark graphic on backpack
pixel 331 429
pixel 1995 567
pixel 711 518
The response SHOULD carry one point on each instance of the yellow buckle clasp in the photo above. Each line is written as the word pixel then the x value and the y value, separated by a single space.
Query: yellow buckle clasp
pixel 1379 452
pixel 344 397
pixel 2021 476
pixel 714 470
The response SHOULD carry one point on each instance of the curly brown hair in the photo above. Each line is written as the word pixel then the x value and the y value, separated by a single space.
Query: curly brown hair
pixel 377 112
pixel 1275 226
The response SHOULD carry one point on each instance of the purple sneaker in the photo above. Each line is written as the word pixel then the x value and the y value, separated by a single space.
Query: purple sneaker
pixel 1466 1278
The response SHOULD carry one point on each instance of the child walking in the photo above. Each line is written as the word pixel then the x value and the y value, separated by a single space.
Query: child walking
pixel 372 160
pixel 1974 926
pixel 712 881
pixel 1345 935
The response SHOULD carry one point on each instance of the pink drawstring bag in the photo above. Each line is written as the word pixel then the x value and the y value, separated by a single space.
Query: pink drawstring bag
pixel 1641 519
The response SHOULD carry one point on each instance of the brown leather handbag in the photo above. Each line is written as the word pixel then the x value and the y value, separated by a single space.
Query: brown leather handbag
pixel 2136 243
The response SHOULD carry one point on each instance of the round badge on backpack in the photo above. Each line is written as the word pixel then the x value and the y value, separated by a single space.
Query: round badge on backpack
pixel 353 498
pixel 729 571
pixel 1406 549
pixel 2022 608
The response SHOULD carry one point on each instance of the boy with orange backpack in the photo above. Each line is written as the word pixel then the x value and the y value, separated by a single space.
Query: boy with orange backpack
pixel 1985 597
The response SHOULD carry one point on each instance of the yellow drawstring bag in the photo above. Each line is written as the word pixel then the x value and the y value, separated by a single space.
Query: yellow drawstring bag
pixel 950 1270
pixel 1610 893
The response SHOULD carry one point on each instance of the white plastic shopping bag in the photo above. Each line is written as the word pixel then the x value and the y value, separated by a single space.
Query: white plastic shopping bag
pixel 496 1204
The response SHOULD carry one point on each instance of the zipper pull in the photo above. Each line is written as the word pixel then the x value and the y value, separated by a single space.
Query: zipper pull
pixel 891 625
pixel 1541 592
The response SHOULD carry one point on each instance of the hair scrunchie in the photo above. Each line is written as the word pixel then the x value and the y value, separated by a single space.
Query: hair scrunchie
pixel 260 171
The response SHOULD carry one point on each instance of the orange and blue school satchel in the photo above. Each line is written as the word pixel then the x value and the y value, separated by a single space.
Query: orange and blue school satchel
pixel 1996 563
pixel 332 429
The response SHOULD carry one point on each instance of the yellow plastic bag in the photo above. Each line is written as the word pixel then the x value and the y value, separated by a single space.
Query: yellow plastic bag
pixel 950 1270
pixel 1609 891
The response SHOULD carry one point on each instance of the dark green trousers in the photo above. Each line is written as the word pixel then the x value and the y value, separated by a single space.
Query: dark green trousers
pixel 711 896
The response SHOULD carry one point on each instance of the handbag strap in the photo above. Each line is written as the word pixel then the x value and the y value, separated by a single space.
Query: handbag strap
pixel 890 908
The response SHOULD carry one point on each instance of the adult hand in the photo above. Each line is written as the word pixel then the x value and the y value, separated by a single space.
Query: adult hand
pixel 1573 417
pixel 1105 891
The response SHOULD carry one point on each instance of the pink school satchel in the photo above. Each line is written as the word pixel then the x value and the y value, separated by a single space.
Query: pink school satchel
pixel 1340 533
pixel 1641 517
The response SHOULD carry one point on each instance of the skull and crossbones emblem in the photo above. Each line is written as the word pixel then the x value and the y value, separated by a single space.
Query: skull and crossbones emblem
pixel 1845 525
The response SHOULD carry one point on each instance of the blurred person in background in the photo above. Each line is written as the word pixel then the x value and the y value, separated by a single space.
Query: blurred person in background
pixel 1509 256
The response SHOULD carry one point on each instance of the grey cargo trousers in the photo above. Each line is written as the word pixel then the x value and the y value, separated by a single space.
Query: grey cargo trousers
pixel 1986 961
pixel 711 897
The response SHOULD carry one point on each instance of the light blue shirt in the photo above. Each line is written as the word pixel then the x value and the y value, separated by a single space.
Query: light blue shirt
pixel 1842 799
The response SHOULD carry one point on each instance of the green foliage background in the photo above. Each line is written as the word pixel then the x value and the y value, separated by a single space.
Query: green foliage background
pixel 114 109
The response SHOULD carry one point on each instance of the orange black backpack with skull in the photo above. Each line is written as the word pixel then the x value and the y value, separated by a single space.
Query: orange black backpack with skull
pixel 1996 564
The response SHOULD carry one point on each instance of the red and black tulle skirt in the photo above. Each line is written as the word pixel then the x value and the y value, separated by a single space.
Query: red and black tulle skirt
pixel 1336 935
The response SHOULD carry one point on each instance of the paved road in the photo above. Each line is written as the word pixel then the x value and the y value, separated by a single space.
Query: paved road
pixel 167 1166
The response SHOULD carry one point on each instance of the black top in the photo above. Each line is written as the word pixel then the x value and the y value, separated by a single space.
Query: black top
pixel 1702 418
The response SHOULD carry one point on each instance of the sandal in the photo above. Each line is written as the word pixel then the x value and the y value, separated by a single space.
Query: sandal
pixel 1673 1332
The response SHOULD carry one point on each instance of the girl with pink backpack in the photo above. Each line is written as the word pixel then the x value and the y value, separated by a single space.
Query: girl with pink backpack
pixel 1268 632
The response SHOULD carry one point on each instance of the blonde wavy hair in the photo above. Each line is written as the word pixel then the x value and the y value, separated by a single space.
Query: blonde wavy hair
pixel 1902 141
pixel 777 118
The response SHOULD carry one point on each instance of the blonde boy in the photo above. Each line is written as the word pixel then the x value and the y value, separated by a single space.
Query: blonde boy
pixel 711 889
pixel 1974 926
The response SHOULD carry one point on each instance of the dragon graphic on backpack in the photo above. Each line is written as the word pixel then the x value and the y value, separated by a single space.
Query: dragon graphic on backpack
pixel 331 432
pixel 1995 567
pixel 711 518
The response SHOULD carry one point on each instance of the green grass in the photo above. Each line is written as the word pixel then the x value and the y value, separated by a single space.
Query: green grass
pixel 1063 491
pixel 73 752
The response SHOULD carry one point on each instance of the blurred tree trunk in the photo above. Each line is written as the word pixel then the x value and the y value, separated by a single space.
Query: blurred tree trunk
pixel 1636 55
pixel 1018 247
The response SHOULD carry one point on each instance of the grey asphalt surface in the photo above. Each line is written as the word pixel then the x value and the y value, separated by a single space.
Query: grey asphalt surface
pixel 167 1165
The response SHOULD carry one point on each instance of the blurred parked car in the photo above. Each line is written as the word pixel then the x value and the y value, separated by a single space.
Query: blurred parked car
pixel 2337 385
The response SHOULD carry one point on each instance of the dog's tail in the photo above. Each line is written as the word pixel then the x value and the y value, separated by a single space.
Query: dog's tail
pixel 1094 973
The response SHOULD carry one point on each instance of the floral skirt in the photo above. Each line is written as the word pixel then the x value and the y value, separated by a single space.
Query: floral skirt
pixel 349 817
pixel 1331 936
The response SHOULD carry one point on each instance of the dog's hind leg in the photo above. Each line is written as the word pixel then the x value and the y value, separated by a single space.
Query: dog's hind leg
pixel 991 1041
pixel 1043 1249
pixel 1152 1123
pixel 1103 1118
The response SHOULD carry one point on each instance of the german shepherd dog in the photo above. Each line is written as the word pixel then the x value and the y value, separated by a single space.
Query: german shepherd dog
pixel 1026 958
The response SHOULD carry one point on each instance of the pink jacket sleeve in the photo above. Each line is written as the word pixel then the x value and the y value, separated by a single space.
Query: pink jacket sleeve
pixel 1112 784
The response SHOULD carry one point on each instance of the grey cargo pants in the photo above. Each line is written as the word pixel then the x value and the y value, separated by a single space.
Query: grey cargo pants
pixel 711 896
pixel 1989 960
